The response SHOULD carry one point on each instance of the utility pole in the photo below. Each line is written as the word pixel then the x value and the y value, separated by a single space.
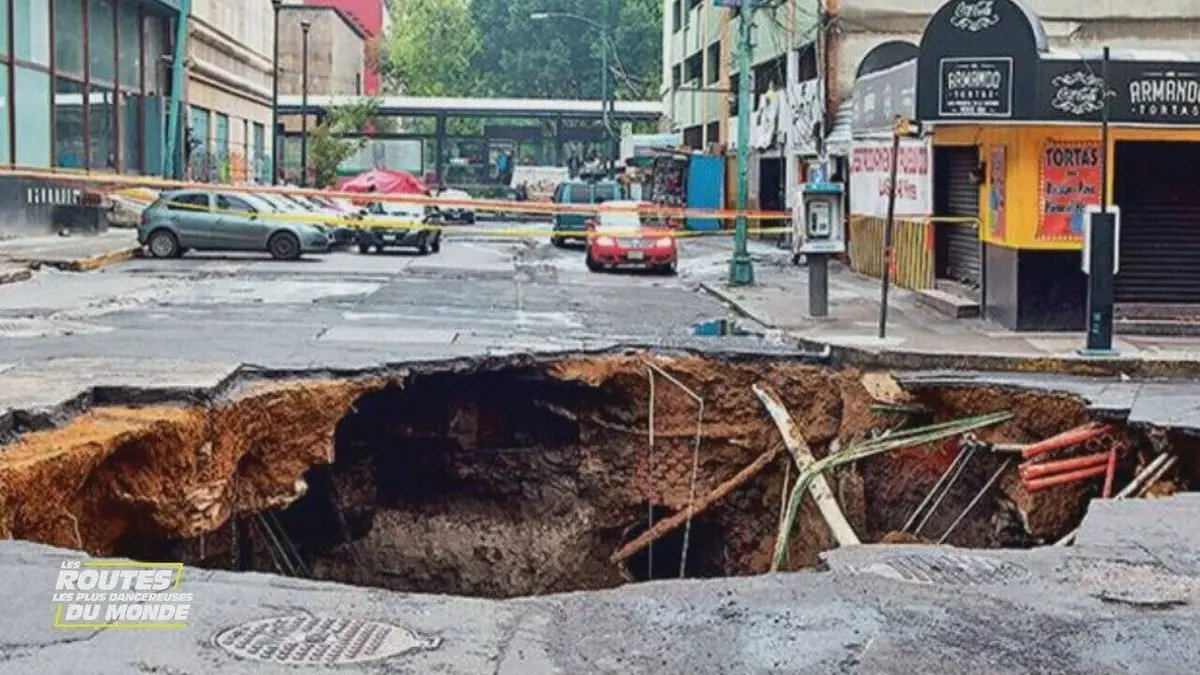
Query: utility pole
pixel 741 270
pixel 305 25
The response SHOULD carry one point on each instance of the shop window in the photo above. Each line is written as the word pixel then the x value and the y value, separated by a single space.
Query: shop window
pixel 713 63
pixel 4 31
pixel 4 140
pixel 68 36
pixel 69 150
pixel 131 150
pixel 32 117
pixel 101 150
pixel 130 57
pixel 152 29
pixel 100 41
pixel 31 34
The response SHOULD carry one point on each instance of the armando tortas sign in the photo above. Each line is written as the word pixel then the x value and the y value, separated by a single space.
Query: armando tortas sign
pixel 975 87
pixel 1147 92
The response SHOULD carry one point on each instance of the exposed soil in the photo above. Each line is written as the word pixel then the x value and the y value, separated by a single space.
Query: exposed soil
pixel 508 482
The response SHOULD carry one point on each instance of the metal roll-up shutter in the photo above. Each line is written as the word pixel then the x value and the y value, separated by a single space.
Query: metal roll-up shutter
pixel 962 201
pixel 1160 252
pixel 1160 223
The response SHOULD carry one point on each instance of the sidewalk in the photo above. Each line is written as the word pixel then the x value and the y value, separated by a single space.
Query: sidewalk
pixel 76 253
pixel 779 299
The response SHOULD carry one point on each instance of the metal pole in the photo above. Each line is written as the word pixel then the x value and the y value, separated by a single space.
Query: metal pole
pixel 818 263
pixel 304 26
pixel 174 116
pixel 276 4
pixel 887 235
pixel 1102 248
pixel 741 270
pixel 604 99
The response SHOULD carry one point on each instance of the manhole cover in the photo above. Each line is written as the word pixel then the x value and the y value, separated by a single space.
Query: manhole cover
pixel 947 568
pixel 305 639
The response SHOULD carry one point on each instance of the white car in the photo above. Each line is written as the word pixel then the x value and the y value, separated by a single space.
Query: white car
pixel 397 224
pixel 457 210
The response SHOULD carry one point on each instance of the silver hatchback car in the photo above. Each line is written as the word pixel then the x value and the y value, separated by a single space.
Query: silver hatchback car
pixel 204 220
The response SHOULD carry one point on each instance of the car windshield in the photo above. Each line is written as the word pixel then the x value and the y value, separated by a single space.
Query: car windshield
pixel 257 202
pixel 402 210
pixel 619 220
pixel 276 205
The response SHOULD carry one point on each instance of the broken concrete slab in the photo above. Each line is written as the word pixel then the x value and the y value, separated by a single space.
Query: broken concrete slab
pixel 1164 527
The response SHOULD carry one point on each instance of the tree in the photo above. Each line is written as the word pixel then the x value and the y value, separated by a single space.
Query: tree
pixel 328 146
pixel 430 49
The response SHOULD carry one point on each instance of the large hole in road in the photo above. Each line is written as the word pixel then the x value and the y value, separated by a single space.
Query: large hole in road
pixel 513 479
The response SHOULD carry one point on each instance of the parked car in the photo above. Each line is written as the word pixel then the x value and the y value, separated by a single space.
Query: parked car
pixel 573 226
pixel 399 224
pixel 456 211
pixel 203 220
pixel 333 220
pixel 620 236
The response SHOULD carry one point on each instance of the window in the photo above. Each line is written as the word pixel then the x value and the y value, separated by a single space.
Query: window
pixel 68 36
pixel 676 15
pixel 261 172
pixel 714 63
pixel 152 60
pixel 129 39
pixel 236 204
pixel 31 33
pixel 192 201
pixel 712 133
pixel 131 150
pixel 734 84
pixel 579 194
pixel 100 40
pixel 4 141
pixel 605 193
pixel 692 68
pixel 101 150
pixel 676 75
pixel 69 151
pixel 4 29
pixel 32 117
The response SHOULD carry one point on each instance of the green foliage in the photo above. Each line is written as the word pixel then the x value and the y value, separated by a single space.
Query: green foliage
pixel 493 48
pixel 327 145
pixel 430 49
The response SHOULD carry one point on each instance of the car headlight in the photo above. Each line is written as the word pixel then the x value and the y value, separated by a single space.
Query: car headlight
pixel 664 242
pixel 606 241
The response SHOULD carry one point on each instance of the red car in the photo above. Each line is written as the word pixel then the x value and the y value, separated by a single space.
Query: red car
pixel 620 236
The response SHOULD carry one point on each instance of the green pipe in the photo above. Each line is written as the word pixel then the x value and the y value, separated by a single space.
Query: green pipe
pixel 178 63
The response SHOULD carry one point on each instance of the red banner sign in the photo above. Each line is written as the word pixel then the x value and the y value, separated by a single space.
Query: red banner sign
pixel 1070 178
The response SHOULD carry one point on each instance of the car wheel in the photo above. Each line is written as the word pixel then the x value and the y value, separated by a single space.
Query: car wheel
pixel 668 270
pixel 592 264
pixel 423 249
pixel 436 246
pixel 470 219
pixel 284 246
pixel 163 244
pixel 364 248
pixel 557 242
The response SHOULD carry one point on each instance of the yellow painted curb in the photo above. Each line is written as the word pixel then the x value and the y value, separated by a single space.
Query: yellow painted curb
pixel 104 260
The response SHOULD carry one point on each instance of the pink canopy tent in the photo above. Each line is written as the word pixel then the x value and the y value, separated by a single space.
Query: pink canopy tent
pixel 385 182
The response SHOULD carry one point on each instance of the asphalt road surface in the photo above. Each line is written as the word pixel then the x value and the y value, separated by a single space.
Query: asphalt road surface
pixel 191 320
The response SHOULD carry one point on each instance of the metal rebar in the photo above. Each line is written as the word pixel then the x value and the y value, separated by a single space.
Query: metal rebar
pixel 687 528
pixel 986 488
pixel 1149 475
pixel 969 450
pixel 962 451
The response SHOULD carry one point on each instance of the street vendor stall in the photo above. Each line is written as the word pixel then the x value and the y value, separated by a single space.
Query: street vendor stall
pixel 677 179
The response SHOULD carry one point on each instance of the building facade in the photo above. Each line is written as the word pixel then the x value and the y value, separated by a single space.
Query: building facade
pixel 370 16
pixel 229 105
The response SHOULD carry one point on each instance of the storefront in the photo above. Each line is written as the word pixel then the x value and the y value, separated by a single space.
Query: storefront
pixel 86 83
pixel 1017 152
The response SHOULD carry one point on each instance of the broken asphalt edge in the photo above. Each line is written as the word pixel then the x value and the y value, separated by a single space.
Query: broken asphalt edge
pixel 17 421
pixel 87 264
pixel 904 359
pixel 16 274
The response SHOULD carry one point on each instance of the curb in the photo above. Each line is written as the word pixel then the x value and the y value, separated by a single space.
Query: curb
pixel 736 305
pixel 912 360
pixel 12 276
pixel 97 261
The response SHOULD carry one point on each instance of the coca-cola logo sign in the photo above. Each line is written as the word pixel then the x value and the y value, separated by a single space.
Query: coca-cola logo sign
pixel 976 16
pixel 1078 93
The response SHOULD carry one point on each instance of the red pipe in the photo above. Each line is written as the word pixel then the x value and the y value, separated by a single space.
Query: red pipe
pixel 1066 439
pixel 1064 478
pixel 1110 473
pixel 1059 466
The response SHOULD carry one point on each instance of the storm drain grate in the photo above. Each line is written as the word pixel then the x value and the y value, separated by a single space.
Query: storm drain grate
pixel 947 568
pixel 309 640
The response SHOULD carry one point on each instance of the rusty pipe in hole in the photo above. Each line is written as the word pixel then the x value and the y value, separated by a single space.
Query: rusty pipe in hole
pixel 1039 484
pixel 1066 439
pixel 1029 471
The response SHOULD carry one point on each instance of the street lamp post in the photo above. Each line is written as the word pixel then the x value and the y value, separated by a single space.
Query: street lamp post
pixel 607 97
pixel 304 26
pixel 741 269
pixel 275 4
